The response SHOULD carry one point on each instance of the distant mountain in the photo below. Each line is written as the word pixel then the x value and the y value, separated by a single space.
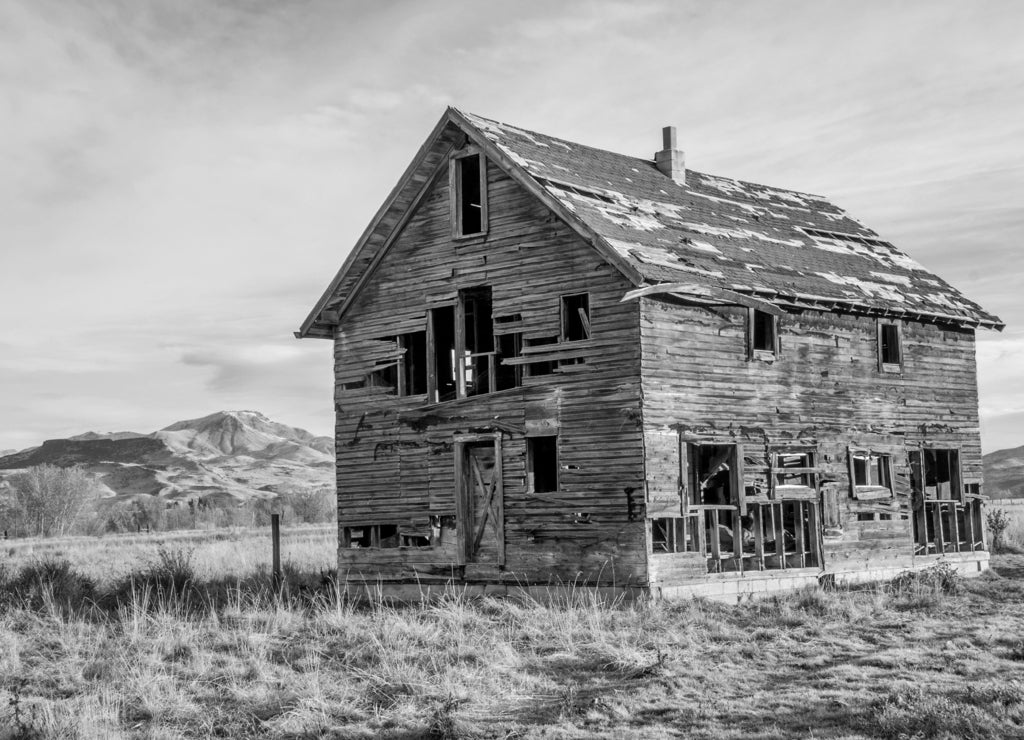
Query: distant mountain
pixel 229 454
pixel 1004 473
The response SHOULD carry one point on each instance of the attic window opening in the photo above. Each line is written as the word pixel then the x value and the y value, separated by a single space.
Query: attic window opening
pixel 575 317
pixel 762 334
pixel 890 351
pixel 542 464
pixel 469 188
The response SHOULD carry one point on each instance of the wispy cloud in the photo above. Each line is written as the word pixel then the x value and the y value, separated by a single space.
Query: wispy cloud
pixel 181 179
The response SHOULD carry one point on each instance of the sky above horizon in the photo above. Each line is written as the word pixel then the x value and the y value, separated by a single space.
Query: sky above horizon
pixel 183 178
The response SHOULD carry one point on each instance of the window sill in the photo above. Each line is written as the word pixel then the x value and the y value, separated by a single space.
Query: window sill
pixel 892 367
pixel 469 237
pixel 763 355
pixel 871 493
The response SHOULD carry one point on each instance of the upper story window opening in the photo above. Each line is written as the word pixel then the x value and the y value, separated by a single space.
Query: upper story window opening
pixel 890 349
pixel 762 334
pixel 468 175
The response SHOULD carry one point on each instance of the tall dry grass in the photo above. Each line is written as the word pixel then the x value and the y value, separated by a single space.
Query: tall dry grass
pixel 171 651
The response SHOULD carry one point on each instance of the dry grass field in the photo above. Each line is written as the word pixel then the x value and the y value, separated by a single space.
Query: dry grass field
pixel 194 644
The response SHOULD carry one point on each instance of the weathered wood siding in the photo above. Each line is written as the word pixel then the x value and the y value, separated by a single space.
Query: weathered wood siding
pixel 395 454
pixel 824 388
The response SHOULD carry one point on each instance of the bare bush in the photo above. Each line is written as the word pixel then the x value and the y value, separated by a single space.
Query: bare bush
pixel 49 500
pixel 312 505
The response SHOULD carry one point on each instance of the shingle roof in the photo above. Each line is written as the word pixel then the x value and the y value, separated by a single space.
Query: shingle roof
pixel 778 245
pixel 765 241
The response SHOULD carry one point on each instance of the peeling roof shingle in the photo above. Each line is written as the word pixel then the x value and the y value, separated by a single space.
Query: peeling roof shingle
pixel 728 233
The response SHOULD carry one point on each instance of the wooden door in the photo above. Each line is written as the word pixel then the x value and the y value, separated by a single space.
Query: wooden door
pixel 480 500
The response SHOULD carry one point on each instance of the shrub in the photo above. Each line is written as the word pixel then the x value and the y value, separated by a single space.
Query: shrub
pixel 170 575
pixel 925 588
pixel 998 521
pixel 50 581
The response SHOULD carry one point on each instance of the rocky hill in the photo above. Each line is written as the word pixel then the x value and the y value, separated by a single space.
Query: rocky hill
pixel 1004 473
pixel 236 454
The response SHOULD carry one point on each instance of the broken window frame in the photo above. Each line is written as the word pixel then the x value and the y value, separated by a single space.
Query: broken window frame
pixel 756 318
pixel 569 323
pixel 391 536
pixel 878 463
pixel 889 332
pixel 466 366
pixel 809 472
pixel 531 463
pixel 455 180
pixel 402 375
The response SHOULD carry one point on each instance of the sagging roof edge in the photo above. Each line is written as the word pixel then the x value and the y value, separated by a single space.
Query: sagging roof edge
pixel 803 301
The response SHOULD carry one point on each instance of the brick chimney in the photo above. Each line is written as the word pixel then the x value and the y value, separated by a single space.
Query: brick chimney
pixel 671 161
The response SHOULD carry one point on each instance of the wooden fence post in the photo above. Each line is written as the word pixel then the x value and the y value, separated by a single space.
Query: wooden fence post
pixel 275 535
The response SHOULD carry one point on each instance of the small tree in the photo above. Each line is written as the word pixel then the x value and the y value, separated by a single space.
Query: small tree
pixel 998 521
pixel 50 499
pixel 312 505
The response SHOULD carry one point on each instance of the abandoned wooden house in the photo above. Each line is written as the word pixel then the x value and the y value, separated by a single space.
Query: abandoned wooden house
pixel 555 364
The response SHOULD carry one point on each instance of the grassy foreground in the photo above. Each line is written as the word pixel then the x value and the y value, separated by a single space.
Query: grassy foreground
pixel 165 652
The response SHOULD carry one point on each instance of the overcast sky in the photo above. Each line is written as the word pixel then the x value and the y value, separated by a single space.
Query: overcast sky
pixel 182 179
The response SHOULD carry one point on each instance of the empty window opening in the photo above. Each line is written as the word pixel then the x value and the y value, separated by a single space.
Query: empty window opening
pixel 712 467
pixel 470 192
pixel 385 377
pixel 359 536
pixel 542 464
pixel 442 330
pixel 508 346
pixel 942 474
pixel 413 365
pixel 763 331
pixel 673 534
pixel 575 317
pixel 542 367
pixel 385 536
pixel 477 361
pixel 889 351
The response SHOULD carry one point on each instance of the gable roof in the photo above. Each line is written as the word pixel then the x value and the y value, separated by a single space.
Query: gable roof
pixel 713 233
